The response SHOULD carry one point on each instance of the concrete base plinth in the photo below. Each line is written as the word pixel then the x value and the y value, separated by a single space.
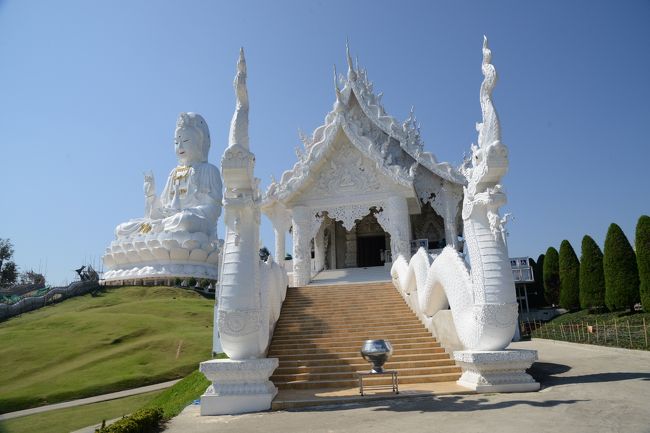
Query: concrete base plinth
pixel 233 404
pixel 496 371
pixel 238 386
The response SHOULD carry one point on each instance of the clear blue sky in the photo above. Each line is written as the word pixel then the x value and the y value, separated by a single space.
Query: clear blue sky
pixel 90 92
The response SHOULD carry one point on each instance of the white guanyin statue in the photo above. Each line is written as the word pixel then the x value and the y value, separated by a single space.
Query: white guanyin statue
pixel 177 235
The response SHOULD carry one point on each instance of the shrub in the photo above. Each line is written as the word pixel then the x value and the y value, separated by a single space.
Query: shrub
pixel 569 277
pixel 141 421
pixel 191 282
pixel 177 282
pixel 621 273
pixel 551 276
pixel 592 278
pixel 642 245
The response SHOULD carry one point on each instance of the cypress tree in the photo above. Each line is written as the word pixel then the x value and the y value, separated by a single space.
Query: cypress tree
pixel 551 276
pixel 642 245
pixel 539 280
pixel 569 277
pixel 592 278
pixel 533 288
pixel 536 289
pixel 621 272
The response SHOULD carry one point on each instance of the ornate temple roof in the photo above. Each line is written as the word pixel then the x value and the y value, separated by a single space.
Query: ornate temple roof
pixel 395 147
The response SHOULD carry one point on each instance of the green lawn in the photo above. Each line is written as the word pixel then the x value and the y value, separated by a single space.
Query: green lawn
pixel 124 338
pixel 74 418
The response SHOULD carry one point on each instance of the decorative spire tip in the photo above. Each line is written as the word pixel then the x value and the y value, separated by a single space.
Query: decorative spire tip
pixel 241 62
pixel 336 82
pixel 351 72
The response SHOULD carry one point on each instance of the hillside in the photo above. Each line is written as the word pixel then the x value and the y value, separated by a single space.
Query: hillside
pixel 124 338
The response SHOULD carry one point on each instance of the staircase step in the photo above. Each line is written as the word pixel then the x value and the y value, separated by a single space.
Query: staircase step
pixel 336 344
pixel 359 360
pixel 365 366
pixel 349 336
pixel 352 374
pixel 321 330
pixel 345 355
pixel 349 348
pixel 371 381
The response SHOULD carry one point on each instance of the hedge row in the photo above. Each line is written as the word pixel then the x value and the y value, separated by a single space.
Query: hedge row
pixel 141 421
pixel 616 279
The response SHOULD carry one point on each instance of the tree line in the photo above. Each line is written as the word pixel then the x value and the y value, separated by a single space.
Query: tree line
pixel 614 279
pixel 9 272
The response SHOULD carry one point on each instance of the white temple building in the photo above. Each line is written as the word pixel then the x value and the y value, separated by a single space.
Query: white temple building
pixel 363 189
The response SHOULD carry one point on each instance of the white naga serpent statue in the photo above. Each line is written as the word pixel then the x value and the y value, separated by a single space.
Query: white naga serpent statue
pixel 482 297
pixel 251 291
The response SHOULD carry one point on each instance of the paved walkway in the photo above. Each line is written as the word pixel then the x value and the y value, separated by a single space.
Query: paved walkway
pixel 351 275
pixel 95 399
pixel 585 389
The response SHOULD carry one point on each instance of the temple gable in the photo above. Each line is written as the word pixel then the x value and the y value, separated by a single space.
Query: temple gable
pixel 345 174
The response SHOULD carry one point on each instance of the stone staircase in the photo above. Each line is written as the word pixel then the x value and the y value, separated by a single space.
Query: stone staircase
pixel 321 329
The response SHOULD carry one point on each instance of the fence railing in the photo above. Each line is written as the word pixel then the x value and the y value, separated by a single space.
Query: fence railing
pixel 54 295
pixel 620 333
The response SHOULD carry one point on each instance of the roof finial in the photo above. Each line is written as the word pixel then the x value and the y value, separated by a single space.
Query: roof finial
pixel 338 105
pixel 239 123
pixel 352 75
pixel 336 82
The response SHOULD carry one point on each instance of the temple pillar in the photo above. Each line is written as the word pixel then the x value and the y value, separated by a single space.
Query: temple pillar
pixel 301 244
pixel 319 248
pixel 281 220
pixel 451 201
pixel 280 247
pixel 394 219
pixel 351 248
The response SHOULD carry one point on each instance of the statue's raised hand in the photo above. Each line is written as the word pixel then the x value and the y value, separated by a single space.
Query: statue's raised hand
pixel 149 184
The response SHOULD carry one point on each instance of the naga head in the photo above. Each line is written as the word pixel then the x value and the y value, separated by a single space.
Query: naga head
pixel 488 162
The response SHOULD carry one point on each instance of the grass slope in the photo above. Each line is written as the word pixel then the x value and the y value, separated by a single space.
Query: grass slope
pixel 174 399
pixel 74 418
pixel 127 337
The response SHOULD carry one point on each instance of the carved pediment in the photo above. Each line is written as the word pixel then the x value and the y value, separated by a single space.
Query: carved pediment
pixel 346 172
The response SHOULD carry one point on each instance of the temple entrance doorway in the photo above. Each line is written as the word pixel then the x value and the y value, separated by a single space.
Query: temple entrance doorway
pixel 370 250
pixel 371 242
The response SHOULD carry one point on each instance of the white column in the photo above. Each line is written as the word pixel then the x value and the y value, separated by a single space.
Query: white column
pixel 281 220
pixel 351 248
pixel 280 250
pixel 301 244
pixel 319 248
pixel 451 201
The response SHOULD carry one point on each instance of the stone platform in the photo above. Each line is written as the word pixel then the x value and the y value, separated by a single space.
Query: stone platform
pixel 497 371
pixel 238 386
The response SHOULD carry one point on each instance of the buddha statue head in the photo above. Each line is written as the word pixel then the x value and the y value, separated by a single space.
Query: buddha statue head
pixel 191 139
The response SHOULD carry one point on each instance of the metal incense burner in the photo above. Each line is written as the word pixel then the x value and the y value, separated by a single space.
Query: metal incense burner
pixel 377 352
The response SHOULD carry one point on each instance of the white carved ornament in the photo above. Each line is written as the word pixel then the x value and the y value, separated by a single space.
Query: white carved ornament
pixel 348 215
pixel 315 224
pixel 347 172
